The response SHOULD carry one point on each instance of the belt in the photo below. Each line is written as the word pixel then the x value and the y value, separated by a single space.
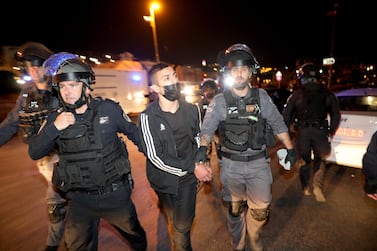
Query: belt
pixel 237 157
pixel 111 187
pixel 316 124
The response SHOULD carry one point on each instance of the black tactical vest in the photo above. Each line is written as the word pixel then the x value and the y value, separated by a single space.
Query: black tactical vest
pixel 244 126
pixel 84 163
pixel 35 107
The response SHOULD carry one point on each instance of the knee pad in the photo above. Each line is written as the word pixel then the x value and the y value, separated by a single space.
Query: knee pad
pixel 236 208
pixel 56 212
pixel 260 214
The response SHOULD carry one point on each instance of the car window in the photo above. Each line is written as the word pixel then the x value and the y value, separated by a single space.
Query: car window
pixel 358 103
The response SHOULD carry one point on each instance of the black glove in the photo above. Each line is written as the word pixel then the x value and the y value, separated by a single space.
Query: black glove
pixel 291 156
pixel 201 155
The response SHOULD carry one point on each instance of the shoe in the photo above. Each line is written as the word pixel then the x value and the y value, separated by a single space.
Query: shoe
pixel 307 191
pixel 318 194
pixel 51 248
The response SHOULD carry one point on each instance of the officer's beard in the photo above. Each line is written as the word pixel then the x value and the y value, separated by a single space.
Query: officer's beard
pixel 240 83
pixel 240 86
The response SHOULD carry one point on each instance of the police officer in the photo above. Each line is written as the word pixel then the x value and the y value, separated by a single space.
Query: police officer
pixel 93 170
pixel 209 90
pixel 32 106
pixel 308 108
pixel 241 114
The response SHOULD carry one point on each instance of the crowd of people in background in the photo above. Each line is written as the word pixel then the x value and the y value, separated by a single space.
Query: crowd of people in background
pixel 75 140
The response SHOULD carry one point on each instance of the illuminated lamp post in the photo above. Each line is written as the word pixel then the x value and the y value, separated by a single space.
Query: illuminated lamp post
pixel 151 19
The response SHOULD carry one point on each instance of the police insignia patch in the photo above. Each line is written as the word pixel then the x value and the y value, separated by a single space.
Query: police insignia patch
pixel 104 120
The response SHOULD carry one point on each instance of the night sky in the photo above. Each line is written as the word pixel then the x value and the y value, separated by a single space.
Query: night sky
pixel 279 32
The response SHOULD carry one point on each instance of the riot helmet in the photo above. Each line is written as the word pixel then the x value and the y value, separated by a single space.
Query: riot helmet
pixel 238 55
pixel 52 64
pixel 33 52
pixel 309 72
pixel 75 70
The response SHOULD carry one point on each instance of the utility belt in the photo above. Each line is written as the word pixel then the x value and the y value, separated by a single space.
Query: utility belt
pixel 237 157
pixel 111 187
pixel 320 124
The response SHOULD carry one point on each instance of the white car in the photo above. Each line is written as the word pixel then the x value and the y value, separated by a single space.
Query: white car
pixel 357 125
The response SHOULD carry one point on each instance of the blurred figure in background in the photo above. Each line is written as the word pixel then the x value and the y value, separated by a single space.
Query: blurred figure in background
pixel 35 101
pixel 209 90
pixel 308 109
pixel 369 168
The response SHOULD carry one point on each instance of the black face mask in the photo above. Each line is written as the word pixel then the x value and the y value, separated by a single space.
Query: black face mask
pixel 171 92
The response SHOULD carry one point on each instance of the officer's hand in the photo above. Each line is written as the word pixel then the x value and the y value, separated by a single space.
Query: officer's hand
pixel 63 120
pixel 203 171
pixel 201 155
pixel 291 156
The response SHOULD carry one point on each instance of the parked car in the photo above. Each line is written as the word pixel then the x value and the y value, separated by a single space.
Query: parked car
pixel 358 123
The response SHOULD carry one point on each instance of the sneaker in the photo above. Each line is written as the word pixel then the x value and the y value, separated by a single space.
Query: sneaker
pixel 318 194
pixel 307 191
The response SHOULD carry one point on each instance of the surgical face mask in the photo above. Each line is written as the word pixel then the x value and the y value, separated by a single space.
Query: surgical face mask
pixel 171 92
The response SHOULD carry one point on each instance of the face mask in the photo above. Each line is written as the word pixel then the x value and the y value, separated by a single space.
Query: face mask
pixel 171 92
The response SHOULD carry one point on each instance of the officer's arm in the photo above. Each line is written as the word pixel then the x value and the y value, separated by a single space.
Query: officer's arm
pixel 43 143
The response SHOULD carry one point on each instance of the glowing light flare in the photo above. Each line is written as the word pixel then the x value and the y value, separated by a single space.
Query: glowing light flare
pixel 349 132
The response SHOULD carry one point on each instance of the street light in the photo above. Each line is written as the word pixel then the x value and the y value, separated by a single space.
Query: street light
pixel 151 19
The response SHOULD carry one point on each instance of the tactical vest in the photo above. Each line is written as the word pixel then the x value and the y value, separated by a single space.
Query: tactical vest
pixel 84 162
pixel 244 126
pixel 34 110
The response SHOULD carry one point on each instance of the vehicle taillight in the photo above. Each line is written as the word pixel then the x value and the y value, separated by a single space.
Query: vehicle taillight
pixel 349 132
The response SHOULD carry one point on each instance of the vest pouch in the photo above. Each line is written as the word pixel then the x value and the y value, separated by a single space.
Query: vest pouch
pixel 122 165
pixel 74 138
pixel 257 136
pixel 59 177
pixel 270 136
pixel 236 135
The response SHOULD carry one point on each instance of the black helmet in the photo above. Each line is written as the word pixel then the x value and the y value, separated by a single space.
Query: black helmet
pixel 238 55
pixel 309 72
pixel 33 52
pixel 74 69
